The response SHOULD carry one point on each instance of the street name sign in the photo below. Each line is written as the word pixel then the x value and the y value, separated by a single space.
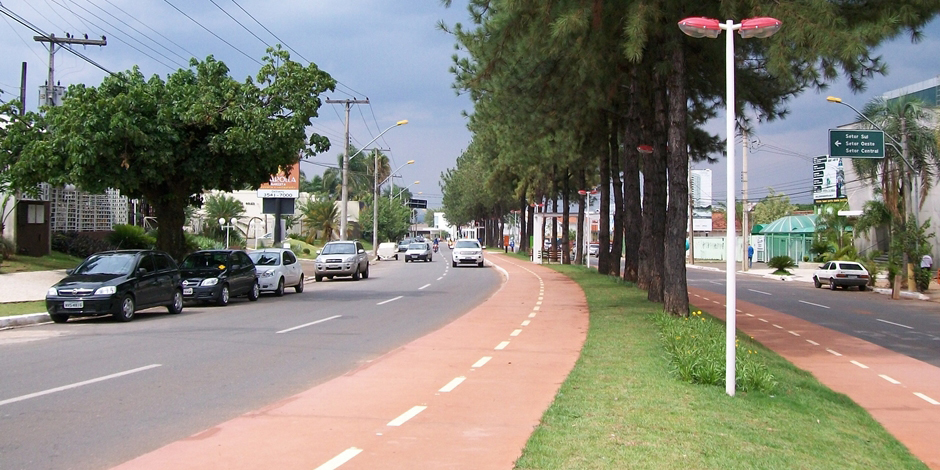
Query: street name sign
pixel 856 143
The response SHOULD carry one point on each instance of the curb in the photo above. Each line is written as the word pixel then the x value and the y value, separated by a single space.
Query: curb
pixel 24 320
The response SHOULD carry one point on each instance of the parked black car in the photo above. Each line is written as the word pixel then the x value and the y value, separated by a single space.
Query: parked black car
pixel 117 283
pixel 218 275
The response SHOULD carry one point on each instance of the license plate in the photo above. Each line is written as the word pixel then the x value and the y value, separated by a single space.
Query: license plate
pixel 73 304
pixel 332 266
pixel 852 276
pixel 188 291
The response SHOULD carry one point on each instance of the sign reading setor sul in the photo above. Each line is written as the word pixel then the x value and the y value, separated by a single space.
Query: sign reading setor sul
pixel 856 143
pixel 285 184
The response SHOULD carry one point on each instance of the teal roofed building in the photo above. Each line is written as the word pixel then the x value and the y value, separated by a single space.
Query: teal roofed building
pixel 789 236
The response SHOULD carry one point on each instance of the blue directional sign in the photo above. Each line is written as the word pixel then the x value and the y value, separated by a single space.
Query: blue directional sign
pixel 856 143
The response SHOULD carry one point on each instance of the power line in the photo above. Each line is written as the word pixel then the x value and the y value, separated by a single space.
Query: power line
pixel 240 23
pixel 155 31
pixel 22 21
pixel 212 33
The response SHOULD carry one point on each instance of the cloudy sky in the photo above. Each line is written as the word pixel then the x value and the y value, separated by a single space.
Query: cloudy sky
pixel 390 52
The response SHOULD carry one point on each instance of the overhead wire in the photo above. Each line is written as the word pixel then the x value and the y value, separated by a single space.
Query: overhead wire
pixel 155 31
pixel 213 33
pixel 24 22
pixel 145 35
pixel 239 23
pixel 28 45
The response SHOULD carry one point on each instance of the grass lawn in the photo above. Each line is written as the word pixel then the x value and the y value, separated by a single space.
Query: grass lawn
pixel 54 260
pixel 22 308
pixel 621 407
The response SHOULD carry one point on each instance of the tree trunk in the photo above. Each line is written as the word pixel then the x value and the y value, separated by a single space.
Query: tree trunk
pixel 171 216
pixel 579 250
pixel 523 242
pixel 530 223
pixel 632 217
pixel 598 144
pixel 675 292
pixel 613 151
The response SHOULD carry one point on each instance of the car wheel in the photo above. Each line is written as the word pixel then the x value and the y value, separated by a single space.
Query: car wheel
pixel 365 274
pixel 223 296
pixel 454 263
pixel 862 288
pixel 816 282
pixel 255 292
pixel 126 312
pixel 356 273
pixel 832 284
pixel 300 285
pixel 396 257
pixel 317 278
pixel 280 287
pixel 177 306
pixel 59 318
pixel 480 264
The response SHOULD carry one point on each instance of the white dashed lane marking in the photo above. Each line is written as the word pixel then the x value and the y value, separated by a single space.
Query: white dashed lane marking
pixel 895 324
pixel 308 324
pixel 414 411
pixel 833 352
pixel 452 385
pixel 863 366
pixel 515 332
pixel 424 287
pixel 889 379
pixel 339 460
pixel 760 292
pixel 389 300
pixel 812 342
pixel 927 399
pixel 483 360
pixel 814 305
pixel 502 345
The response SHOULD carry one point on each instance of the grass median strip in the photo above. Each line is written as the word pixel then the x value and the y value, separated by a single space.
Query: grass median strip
pixel 623 406
pixel 21 308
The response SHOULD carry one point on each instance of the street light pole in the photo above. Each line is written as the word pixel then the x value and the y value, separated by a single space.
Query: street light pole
pixel 699 27
pixel 375 204
pixel 345 191
pixel 231 225
pixel 403 189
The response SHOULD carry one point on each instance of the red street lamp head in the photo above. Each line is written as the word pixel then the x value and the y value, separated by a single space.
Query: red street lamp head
pixel 700 27
pixel 644 148
pixel 762 27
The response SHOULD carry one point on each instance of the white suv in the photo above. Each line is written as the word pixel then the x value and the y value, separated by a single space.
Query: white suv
pixel 468 250
pixel 342 258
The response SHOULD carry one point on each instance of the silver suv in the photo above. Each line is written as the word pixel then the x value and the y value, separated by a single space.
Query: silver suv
pixel 342 258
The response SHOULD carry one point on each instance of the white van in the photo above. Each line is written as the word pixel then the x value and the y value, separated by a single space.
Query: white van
pixel 388 250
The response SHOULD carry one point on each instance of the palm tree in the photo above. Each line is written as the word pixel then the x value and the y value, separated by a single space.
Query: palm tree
pixel 831 226
pixel 220 206
pixel 319 215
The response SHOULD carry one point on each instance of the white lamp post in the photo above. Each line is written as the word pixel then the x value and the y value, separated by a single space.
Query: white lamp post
pixel 345 192
pixel 231 225
pixel 406 187
pixel 699 27
pixel 375 203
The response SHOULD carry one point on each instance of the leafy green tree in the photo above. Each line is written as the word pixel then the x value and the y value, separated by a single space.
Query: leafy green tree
pixel 394 220
pixel 832 227
pixel 220 206
pixel 772 207
pixel 166 140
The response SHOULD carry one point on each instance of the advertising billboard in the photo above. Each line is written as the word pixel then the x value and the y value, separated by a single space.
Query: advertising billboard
pixel 284 184
pixel 700 186
pixel 828 180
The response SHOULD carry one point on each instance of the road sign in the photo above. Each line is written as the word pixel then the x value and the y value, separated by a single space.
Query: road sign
pixel 856 143
pixel 418 203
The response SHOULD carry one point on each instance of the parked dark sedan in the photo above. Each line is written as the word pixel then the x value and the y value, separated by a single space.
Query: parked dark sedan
pixel 218 275
pixel 117 283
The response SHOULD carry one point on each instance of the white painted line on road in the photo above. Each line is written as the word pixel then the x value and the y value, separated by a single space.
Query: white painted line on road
pixel 812 342
pixel 406 416
pixel 814 305
pixel 705 298
pixel 765 321
pixel 538 303
pixel 442 277
pixel 895 324
pixel 715 283
pixel 515 332
pixel 863 366
pixel 536 308
pixel 889 379
pixel 525 323
pixel 389 300
pixel 777 326
pixel 717 302
pixel 793 333
pixel 483 360
pixel 452 385
pixel 78 384
pixel 833 352
pixel 739 310
pixel 541 298
pixel 748 314
pixel 502 345
pixel 927 399
pixel 424 287
pixel 339 460
pixel 532 315
pixel 760 292
pixel 308 324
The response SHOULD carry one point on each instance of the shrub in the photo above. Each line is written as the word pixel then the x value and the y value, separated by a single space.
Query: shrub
pixel 782 263
pixel 7 248
pixel 130 237
pixel 306 251
pixel 695 346
pixel 77 244
pixel 199 242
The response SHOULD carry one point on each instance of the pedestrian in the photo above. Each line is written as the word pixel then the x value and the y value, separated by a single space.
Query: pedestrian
pixel 926 263
pixel 750 256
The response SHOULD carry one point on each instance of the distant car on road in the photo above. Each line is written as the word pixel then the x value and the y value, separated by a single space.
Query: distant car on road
pixel 387 250
pixel 419 251
pixel 466 251
pixel 218 275
pixel 403 244
pixel 278 268
pixel 117 283
pixel 841 273
pixel 593 249
pixel 342 258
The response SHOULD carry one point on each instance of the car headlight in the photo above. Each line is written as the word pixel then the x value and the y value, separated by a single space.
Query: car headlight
pixel 106 290
pixel 52 291
pixel 210 282
pixel 268 273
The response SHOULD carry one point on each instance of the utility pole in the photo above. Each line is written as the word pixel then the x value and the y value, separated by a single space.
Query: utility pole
pixel 691 216
pixel 745 232
pixel 345 192
pixel 23 90
pixel 51 87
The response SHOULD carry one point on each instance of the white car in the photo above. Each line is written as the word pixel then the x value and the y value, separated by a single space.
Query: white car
pixel 842 273
pixel 277 268
pixel 387 250
pixel 467 251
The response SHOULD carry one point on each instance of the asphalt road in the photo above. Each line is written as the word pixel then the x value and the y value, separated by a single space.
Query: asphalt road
pixel 909 327
pixel 93 393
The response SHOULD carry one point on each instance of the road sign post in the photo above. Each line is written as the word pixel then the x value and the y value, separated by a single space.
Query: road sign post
pixel 856 143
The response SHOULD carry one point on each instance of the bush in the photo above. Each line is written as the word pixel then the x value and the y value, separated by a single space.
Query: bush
pixel 131 237
pixel 198 242
pixel 306 251
pixel 77 244
pixel 695 346
pixel 781 264
pixel 7 248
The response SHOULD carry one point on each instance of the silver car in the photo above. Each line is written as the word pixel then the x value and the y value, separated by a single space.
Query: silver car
pixel 342 258
pixel 277 268
pixel 418 251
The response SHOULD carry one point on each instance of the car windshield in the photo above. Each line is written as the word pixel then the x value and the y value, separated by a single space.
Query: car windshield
pixel 339 249
pixel 467 244
pixel 417 246
pixel 205 261
pixel 263 258
pixel 113 263
pixel 404 242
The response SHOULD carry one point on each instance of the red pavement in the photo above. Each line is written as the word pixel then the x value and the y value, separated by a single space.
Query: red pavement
pixel 864 372
pixel 532 330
